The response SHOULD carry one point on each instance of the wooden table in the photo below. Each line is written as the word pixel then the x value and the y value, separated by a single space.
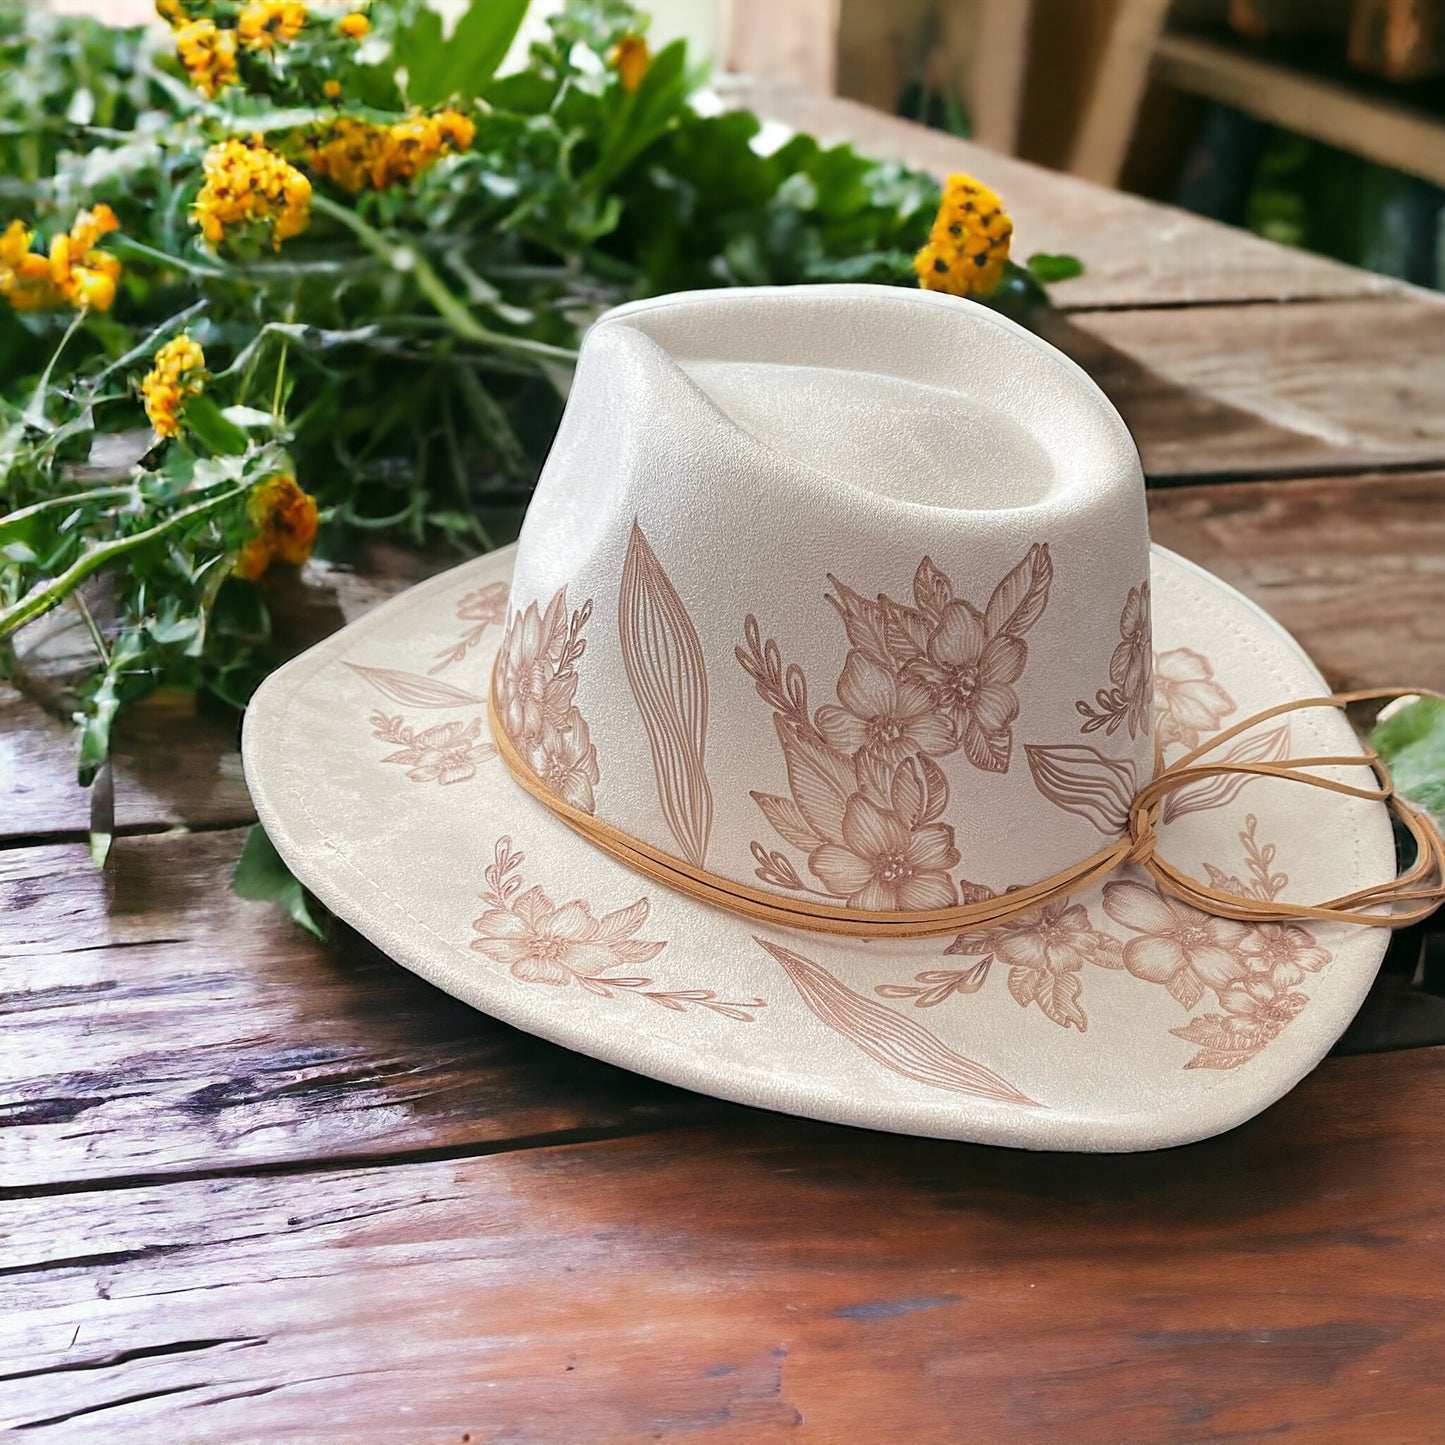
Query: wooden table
pixel 257 1188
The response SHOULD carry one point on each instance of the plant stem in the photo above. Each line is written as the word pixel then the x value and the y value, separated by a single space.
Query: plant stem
pixel 453 311
pixel 99 494
pixel 89 620
pixel 146 347
pixel 42 598
pixel 124 244
pixel 280 378
pixel 35 409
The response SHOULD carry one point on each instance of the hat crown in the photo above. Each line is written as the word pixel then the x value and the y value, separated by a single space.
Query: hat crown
pixel 842 591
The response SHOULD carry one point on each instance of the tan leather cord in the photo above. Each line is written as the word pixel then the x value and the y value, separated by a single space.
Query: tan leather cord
pixel 1406 899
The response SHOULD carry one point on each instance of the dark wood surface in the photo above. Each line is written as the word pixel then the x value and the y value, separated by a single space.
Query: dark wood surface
pixel 755 1278
pixel 256 1187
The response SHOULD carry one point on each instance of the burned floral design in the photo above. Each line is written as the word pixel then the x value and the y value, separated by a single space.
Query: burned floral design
pixel 889 860
pixel 483 607
pixel 535 686
pixel 543 942
pixel 1126 701
pixel 1252 970
pixel 1175 945
pixel 1188 704
pixel 1045 953
pixel 921 680
pixel 448 753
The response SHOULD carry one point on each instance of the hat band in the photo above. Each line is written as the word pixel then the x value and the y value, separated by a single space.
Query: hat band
pixel 1406 899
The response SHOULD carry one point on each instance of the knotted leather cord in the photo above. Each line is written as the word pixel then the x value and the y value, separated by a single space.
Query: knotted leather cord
pixel 1406 899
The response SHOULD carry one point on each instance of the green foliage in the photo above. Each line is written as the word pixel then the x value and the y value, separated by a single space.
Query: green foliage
pixel 451 69
pixel 261 874
pixel 1306 193
pixel 1412 742
pixel 1047 269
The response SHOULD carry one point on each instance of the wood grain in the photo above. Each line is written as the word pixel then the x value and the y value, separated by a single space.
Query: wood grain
pixel 1353 567
pixel 1137 253
pixel 766 1279
pixel 173 765
pixel 1255 391
pixel 154 1023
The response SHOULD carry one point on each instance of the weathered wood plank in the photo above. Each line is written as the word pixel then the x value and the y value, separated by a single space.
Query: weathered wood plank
pixel 155 1023
pixel 172 766
pixel 1137 253
pixel 1354 567
pixel 1256 391
pixel 765 1279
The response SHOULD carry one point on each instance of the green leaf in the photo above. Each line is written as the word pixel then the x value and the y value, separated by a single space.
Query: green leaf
pixel 1412 742
pixel 204 418
pixel 123 674
pixel 640 118
pixel 262 874
pixel 441 69
pixel 1048 269
pixel 248 417
pixel 523 91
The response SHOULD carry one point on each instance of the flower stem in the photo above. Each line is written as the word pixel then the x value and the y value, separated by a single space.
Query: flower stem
pixel 94 631
pixel 453 311
pixel 35 409
pixel 127 245
pixel 280 379
pixel 99 494
pixel 45 596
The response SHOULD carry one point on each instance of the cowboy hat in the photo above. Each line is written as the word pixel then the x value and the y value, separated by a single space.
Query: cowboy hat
pixel 832 642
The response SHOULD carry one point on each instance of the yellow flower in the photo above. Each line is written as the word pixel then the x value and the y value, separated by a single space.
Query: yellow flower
pixel 630 58
pixel 332 89
pixel 356 25
pixel 263 22
pixel 285 520
pixel 24 275
pixel 208 54
pixel 171 10
pixel 75 273
pixel 247 184
pixel 968 246
pixel 356 153
pixel 178 373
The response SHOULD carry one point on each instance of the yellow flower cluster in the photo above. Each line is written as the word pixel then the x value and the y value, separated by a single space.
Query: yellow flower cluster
pixel 76 272
pixel 285 520
pixel 262 23
pixel 24 274
pixel 355 25
pixel 356 153
pixel 209 55
pixel 630 58
pixel 178 373
pixel 83 274
pixel 968 246
pixel 247 184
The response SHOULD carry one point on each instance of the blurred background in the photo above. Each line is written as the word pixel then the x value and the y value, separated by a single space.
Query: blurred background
pixel 1317 123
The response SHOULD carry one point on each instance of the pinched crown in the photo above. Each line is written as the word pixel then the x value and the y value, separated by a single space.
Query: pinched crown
pixel 726 640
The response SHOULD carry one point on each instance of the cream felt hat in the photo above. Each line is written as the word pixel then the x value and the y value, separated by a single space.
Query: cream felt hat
pixel 836 604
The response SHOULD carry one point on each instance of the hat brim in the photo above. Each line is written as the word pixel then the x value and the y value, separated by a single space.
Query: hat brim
pixel 1122 1021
